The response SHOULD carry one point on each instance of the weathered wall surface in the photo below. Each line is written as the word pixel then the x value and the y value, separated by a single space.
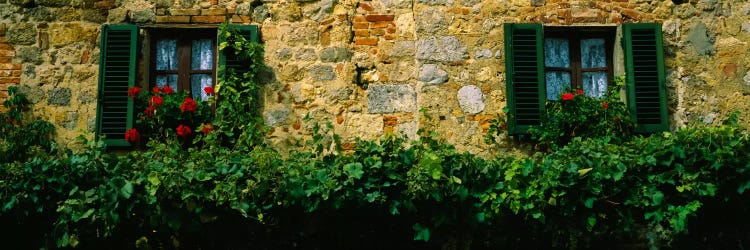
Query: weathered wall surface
pixel 368 67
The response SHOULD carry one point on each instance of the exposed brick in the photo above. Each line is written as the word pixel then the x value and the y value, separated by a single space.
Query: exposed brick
pixel 390 36
pixel 391 30
pixel 361 33
pixel 85 56
pixel 366 6
pixel 184 12
pixel 161 11
pixel 172 19
pixel 6 73
pixel 231 10
pixel 632 14
pixel 106 4
pixel 361 25
pixel 359 19
pixel 10 66
pixel 6 59
pixel 461 10
pixel 10 80
pixel 348 146
pixel 241 19
pixel 328 21
pixel 377 32
pixel 7 53
pixel 3 39
pixel 16 73
pixel 372 41
pixel 214 12
pixel 207 19
pixel 5 46
pixel 390 120
pixel 379 17
pixel 339 119
pixel 381 24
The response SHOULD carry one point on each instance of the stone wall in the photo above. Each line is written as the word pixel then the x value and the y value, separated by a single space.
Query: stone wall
pixel 368 67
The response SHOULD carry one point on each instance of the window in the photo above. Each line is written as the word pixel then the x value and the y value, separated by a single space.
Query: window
pixel 577 60
pixel 540 63
pixel 186 61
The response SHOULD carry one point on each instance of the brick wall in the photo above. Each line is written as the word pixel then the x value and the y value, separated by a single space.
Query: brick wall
pixel 10 73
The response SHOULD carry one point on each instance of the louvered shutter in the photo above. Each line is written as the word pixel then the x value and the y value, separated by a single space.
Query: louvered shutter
pixel 117 68
pixel 644 63
pixel 524 68
pixel 227 58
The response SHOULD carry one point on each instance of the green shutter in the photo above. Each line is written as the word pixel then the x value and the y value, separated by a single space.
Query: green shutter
pixel 227 57
pixel 524 69
pixel 117 67
pixel 644 63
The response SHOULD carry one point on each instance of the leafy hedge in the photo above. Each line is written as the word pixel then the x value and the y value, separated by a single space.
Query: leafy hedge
pixel 589 193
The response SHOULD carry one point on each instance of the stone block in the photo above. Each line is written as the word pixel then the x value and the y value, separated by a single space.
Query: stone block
pixel 432 74
pixel 322 73
pixel 22 33
pixel 382 99
pixel 214 12
pixel 275 116
pixel 335 54
pixel 184 12
pixel 33 94
pixel 52 3
pixel 306 54
pixel 61 34
pixel 470 99
pixel 260 13
pixel 29 54
pixel 59 97
pixel 436 2
pixel 441 49
pixel 142 16
pixel 698 36
pixel 483 54
pixel 207 19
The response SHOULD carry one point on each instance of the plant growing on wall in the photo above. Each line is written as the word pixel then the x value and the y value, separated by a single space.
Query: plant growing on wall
pixel 165 114
pixel 19 134
pixel 578 115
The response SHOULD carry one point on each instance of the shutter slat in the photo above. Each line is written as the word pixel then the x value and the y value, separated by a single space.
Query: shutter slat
pixel 645 76
pixel 525 74
pixel 228 60
pixel 116 75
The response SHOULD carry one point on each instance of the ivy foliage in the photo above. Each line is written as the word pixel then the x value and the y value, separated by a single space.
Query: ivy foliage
pixel 20 134
pixel 230 191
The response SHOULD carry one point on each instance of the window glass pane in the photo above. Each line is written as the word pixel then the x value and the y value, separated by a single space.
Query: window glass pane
pixel 167 79
pixel 593 53
pixel 595 83
pixel 202 55
pixel 557 82
pixel 556 52
pixel 166 54
pixel 197 83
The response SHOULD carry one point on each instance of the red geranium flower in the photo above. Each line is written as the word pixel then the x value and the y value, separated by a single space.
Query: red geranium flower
pixel 188 105
pixel 150 111
pixel 167 90
pixel 183 131
pixel 567 97
pixel 156 100
pixel 156 90
pixel 208 90
pixel 207 128
pixel 132 136
pixel 580 92
pixel 133 92
pixel 605 105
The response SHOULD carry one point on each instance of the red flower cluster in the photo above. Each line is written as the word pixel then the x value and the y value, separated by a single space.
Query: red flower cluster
pixel 156 101
pixel 183 131
pixel 156 89
pixel 605 105
pixel 167 90
pixel 580 92
pixel 133 92
pixel 150 111
pixel 207 128
pixel 208 90
pixel 132 136
pixel 567 96
pixel 189 105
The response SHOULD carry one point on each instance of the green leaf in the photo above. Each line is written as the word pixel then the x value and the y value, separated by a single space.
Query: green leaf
pixel 421 232
pixel 354 170
pixel 589 203
pixel 656 197
pixel 582 172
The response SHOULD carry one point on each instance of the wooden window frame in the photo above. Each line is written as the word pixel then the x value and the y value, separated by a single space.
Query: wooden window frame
pixel 184 38
pixel 574 35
